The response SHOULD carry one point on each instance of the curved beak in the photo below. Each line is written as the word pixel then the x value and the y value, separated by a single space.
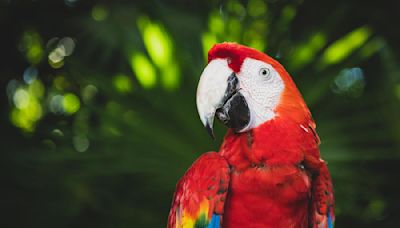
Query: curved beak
pixel 218 95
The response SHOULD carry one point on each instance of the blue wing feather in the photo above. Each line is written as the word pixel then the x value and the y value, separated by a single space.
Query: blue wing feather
pixel 330 222
pixel 215 221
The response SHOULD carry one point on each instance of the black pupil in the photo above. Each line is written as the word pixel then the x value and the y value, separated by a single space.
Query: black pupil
pixel 264 72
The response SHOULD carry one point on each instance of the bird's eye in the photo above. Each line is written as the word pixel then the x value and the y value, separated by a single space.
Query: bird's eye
pixel 264 72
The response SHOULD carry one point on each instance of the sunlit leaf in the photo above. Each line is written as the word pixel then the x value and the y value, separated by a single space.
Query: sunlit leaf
pixel 157 41
pixel 144 70
pixel 343 47
pixel 371 47
pixel 305 52
pixel 208 40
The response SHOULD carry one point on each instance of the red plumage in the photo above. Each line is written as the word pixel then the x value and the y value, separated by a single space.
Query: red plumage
pixel 206 181
pixel 276 176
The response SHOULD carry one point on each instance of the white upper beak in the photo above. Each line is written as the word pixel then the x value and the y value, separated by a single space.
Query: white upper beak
pixel 211 90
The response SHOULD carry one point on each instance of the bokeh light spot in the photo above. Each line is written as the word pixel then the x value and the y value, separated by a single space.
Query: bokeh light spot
pixel 288 13
pixel 57 55
pixel 350 81
pixel 81 143
pixel 27 108
pixel 122 83
pixel 56 65
pixel 30 74
pixel 60 82
pixel 99 13
pixel 57 132
pixel 12 86
pixel 88 93
pixel 68 45
pixel 64 48
pixel 32 46
pixel 36 89
pixel 27 117
pixel 144 70
pixel 18 119
pixel 236 8
pixel 56 105
pixel 215 23
pixel 71 103
pixel 256 8
pixel 21 98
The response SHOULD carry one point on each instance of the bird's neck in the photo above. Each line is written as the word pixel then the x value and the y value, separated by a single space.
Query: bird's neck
pixel 280 141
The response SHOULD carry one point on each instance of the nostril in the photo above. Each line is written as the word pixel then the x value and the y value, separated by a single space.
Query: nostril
pixel 222 116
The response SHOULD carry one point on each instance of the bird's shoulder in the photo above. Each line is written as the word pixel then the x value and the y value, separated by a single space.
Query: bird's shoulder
pixel 200 194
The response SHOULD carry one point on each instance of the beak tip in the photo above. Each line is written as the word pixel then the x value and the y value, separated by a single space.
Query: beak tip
pixel 210 130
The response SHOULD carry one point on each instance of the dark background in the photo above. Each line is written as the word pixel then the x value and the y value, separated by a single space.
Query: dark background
pixel 98 117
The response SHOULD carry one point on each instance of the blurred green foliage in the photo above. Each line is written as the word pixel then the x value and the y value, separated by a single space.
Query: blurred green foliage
pixel 98 116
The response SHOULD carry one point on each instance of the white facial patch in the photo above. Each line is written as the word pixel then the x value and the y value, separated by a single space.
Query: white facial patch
pixel 261 85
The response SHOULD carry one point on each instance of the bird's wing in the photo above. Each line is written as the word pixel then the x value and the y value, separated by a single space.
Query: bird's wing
pixel 322 206
pixel 200 194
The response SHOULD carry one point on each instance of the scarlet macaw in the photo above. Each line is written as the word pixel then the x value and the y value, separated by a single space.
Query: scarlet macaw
pixel 268 171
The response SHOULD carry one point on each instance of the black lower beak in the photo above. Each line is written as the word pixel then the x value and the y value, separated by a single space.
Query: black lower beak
pixel 234 111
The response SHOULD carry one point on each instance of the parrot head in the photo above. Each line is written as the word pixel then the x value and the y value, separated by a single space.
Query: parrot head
pixel 244 88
